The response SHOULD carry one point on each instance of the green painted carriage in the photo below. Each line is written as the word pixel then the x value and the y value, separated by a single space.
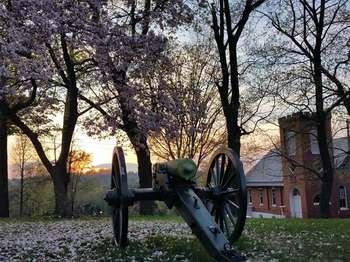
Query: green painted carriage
pixel 215 213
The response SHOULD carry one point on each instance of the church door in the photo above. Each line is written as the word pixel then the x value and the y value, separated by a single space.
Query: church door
pixel 295 204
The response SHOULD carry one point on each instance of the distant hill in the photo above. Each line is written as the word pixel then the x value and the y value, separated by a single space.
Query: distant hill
pixel 130 167
pixel 104 179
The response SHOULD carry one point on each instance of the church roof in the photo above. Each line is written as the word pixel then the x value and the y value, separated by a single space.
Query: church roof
pixel 341 153
pixel 268 170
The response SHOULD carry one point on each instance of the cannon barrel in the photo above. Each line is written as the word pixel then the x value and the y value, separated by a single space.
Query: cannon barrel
pixel 182 168
pixel 148 194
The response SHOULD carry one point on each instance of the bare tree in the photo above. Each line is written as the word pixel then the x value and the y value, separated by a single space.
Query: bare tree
pixel 197 128
pixel 78 163
pixel 229 20
pixel 23 157
pixel 312 31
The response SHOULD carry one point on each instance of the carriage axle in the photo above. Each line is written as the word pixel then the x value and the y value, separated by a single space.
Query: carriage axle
pixel 113 198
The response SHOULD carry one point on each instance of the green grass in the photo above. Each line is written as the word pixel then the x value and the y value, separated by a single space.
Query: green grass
pixel 155 248
pixel 297 239
pixel 263 240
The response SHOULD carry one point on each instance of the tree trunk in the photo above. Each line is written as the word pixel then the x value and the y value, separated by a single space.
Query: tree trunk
pixel 347 102
pixel 21 191
pixel 60 184
pixel 328 170
pixel 321 120
pixel 74 179
pixel 4 194
pixel 137 138
pixel 144 173
pixel 233 130
pixel 229 68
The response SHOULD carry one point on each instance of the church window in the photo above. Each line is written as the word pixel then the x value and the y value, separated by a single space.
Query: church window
pixel 290 142
pixel 250 197
pixel 317 200
pixel 343 203
pixel 273 197
pixel 261 197
pixel 313 142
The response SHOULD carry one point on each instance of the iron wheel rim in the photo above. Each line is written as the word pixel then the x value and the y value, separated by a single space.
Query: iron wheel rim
pixel 119 214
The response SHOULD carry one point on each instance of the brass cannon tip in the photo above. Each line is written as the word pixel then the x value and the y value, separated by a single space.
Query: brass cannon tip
pixel 182 168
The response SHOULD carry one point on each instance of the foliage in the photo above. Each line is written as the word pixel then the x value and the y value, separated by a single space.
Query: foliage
pixel 199 129
pixel 38 199
pixel 79 161
pixel 85 54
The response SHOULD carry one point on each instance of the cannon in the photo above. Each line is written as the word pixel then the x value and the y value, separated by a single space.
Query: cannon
pixel 215 212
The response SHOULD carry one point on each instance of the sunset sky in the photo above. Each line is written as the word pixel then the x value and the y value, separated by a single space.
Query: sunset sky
pixel 101 150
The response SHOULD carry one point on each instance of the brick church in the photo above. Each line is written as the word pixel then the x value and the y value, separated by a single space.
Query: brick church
pixel 277 187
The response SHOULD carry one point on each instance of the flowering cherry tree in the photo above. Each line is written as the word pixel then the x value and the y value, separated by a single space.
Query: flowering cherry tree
pixel 44 60
pixel 19 80
pixel 90 54
pixel 128 43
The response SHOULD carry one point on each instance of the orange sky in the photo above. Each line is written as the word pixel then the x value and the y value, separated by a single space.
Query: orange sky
pixel 101 150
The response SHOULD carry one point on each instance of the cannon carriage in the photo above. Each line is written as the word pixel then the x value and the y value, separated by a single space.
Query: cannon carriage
pixel 215 212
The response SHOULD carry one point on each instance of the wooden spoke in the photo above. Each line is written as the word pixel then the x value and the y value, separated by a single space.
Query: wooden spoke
pixel 230 176
pixel 217 214
pixel 229 226
pixel 212 210
pixel 230 191
pixel 217 171
pixel 228 203
pixel 223 168
pixel 214 176
pixel 229 214
pixel 232 203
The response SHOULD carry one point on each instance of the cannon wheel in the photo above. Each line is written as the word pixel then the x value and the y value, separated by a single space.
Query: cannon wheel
pixel 119 183
pixel 228 201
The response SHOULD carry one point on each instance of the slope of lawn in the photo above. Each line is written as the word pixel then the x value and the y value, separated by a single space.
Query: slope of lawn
pixel 169 239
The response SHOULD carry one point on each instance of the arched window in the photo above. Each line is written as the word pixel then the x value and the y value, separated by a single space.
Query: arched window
pixel 343 202
pixel 250 197
pixel 273 197
pixel 290 143
pixel 296 192
pixel 261 197
pixel 317 200
pixel 313 142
